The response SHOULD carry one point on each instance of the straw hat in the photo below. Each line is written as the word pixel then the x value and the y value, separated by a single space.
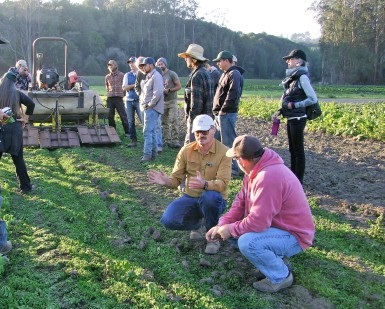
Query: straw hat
pixel 194 51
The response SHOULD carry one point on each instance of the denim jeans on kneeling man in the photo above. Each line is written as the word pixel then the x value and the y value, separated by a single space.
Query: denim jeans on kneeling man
pixel 266 250
pixel 187 212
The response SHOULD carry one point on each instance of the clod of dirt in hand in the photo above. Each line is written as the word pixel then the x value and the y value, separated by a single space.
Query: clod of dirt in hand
pixel 142 244
pixel 185 264
pixel 156 235
pixel 204 262
pixel 104 195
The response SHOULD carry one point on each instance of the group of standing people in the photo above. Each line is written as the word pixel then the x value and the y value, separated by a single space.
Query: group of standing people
pixel 151 94
pixel 151 90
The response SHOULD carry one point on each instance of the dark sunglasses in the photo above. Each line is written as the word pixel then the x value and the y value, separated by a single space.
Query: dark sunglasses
pixel 202 132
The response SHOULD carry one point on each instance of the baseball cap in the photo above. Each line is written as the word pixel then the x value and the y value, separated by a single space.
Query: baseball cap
pixel 296 53
pixel 149 60
pixel 224 54
pixel 112 62
pixel 247 147
pixel 202 123
pixel 131 59
pixel 139 60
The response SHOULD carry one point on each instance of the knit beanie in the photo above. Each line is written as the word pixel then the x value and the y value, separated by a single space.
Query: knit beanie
pixel 163 60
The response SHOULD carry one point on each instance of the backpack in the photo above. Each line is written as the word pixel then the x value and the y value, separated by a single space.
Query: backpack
pixel 313 111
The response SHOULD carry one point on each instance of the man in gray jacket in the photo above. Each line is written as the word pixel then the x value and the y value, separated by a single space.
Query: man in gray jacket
pixel 152 105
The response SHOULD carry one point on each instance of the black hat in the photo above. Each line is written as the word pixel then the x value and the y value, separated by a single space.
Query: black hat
pixel 296 53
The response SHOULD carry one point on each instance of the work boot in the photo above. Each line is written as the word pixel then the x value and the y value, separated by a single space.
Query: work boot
pixel 133 143
pixel 28 191
pixel 6 248
pixel 145 159
pixel 266 286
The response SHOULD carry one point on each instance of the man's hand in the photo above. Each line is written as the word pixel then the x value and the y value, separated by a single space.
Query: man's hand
pixel 218 232
pixel 224 231
pixel 196 182
pixel 212 234
pixel 159 178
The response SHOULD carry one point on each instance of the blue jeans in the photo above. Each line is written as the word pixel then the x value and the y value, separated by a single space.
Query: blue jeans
pixel 151 118
pixel 295 136
pixel 159 133
pixel 225 125
pixel 186 212
pixel 265 250
pixel 3 230
pixel 132 107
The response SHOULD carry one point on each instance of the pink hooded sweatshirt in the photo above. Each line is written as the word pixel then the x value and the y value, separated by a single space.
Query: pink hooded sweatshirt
pixel 271 196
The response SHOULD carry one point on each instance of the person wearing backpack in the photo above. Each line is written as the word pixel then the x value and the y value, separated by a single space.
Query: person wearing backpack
pixel 298 93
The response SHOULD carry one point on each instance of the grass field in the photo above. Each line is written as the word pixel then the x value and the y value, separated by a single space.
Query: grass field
pixel 90 236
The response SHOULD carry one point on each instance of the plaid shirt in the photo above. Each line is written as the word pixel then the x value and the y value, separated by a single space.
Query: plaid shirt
pixel 22 81
pixel 202 93
pixel 114 82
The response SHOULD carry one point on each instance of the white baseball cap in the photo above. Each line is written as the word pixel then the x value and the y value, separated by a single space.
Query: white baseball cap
pixel 202 123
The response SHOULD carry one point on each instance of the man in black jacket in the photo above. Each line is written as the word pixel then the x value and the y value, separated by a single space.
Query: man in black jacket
pixel 226 101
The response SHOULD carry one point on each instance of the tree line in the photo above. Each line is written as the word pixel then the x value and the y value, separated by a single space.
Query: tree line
pixel 352 44
pixel 99 30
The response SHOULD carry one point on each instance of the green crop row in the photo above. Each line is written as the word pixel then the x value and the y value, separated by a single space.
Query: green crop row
pixel 361 120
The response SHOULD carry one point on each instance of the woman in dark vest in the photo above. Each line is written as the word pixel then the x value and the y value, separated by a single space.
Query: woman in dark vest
pixel 297 95
pixel 12 128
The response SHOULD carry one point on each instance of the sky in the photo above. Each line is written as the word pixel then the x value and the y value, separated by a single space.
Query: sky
pixel 276 17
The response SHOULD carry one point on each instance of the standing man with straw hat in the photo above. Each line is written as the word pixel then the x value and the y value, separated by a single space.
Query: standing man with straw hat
pixel 199 90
